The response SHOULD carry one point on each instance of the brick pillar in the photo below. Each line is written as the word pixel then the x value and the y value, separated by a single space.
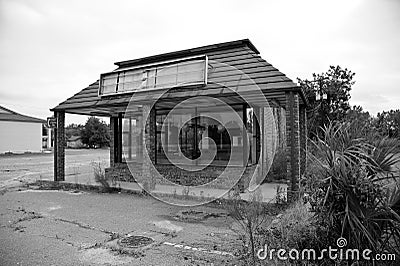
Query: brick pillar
pixel 149 139
pixel 59 147
pixel 292 143
pixel 113 124
pixel 303 139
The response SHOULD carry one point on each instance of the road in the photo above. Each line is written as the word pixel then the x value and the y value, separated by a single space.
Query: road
pixel 52 227
pixel 40 166
pixel 46 227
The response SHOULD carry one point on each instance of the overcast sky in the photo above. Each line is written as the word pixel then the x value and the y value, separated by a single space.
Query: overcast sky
pixel 50 50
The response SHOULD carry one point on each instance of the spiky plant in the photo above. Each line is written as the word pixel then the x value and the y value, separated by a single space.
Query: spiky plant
pixel 353 194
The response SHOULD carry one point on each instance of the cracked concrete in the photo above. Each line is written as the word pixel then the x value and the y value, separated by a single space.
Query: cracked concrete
pixel 61 228
pixel 51 227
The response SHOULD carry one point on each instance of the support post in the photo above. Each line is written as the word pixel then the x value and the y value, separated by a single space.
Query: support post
pixel 303 139
pixel 149 140
pixel 262 142
pixel 293 144
pixel 59 147
pixel 244 137
pixel 119 146
pixel 113 146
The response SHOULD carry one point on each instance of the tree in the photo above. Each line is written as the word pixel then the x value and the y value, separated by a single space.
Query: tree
pixel 363 123
pixel 328 95
pixel 95 133
pixel 73 130
pixel 388 123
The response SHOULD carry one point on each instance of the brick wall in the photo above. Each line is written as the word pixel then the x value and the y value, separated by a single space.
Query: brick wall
pixel 121 172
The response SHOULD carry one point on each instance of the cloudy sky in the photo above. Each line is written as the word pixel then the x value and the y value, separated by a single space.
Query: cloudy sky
pixel 51 49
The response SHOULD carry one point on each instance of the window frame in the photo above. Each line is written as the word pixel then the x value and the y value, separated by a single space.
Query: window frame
pixel 148 67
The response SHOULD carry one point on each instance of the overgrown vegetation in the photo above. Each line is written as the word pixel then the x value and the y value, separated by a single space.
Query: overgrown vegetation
pixel 351 187
pixel 354 193
pixel 293 229
pixel 108 185
pixel 248 216
pixel 328 95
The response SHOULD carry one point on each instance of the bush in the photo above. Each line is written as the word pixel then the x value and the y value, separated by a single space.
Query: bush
pixel 352 192
pixel 249 217
pixel 100 177
pixel 294 229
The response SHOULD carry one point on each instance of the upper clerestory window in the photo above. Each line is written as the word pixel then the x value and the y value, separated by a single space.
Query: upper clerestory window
pixel 178 73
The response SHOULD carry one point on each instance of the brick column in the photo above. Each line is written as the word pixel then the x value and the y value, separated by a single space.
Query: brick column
pixel 303 139
pixel 292 143
pixel 149 139
pixel 59 147
pixel 113 124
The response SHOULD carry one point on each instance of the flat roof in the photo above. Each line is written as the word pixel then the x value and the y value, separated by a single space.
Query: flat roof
pixel 188 52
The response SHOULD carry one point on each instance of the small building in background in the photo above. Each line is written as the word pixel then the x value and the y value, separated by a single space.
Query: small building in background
pixel 20 133
pixel 75 142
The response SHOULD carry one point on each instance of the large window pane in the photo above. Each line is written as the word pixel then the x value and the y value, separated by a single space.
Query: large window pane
pixel 150 76
pixel 199 136
pixel 166 75
pixel 169 137
pixel 109 83
pixel 132 139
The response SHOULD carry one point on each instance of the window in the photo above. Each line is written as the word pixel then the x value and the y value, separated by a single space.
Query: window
pixel 132 139
pixel 178 73
pixel 191 136
pixel 200 136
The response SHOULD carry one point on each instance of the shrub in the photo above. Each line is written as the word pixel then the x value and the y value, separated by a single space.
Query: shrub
pixel 293 229
pixel 100 177
pixel 352 194
pixel 249 216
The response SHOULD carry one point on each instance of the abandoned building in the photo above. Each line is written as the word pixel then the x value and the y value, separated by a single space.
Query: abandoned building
pixel 174 113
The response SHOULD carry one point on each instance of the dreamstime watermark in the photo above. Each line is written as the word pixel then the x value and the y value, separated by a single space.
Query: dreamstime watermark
pixel 339 253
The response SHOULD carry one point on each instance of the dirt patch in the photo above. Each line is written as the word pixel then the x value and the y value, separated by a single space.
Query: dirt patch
pixel 167 225
pixel 103 256
pixel 193 216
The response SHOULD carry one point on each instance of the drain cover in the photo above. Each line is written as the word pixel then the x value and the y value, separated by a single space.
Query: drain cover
pixel 135 241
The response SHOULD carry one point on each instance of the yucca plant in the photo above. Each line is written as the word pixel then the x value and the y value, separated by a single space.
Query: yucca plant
pixel 353 194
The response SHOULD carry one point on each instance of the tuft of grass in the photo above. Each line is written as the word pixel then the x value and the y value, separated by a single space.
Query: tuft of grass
pixel 100 177
pixel 249 217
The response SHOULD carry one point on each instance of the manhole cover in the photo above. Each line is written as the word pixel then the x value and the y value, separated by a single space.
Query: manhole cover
pixel 135 241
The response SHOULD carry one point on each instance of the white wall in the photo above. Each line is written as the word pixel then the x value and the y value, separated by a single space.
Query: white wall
pixel 20 137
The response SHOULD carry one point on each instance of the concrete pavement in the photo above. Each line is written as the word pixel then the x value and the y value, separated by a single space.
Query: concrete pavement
pixel 55 227
pixel 73 228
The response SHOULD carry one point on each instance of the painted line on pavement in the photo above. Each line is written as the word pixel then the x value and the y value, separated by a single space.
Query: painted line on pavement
pixel 199 249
